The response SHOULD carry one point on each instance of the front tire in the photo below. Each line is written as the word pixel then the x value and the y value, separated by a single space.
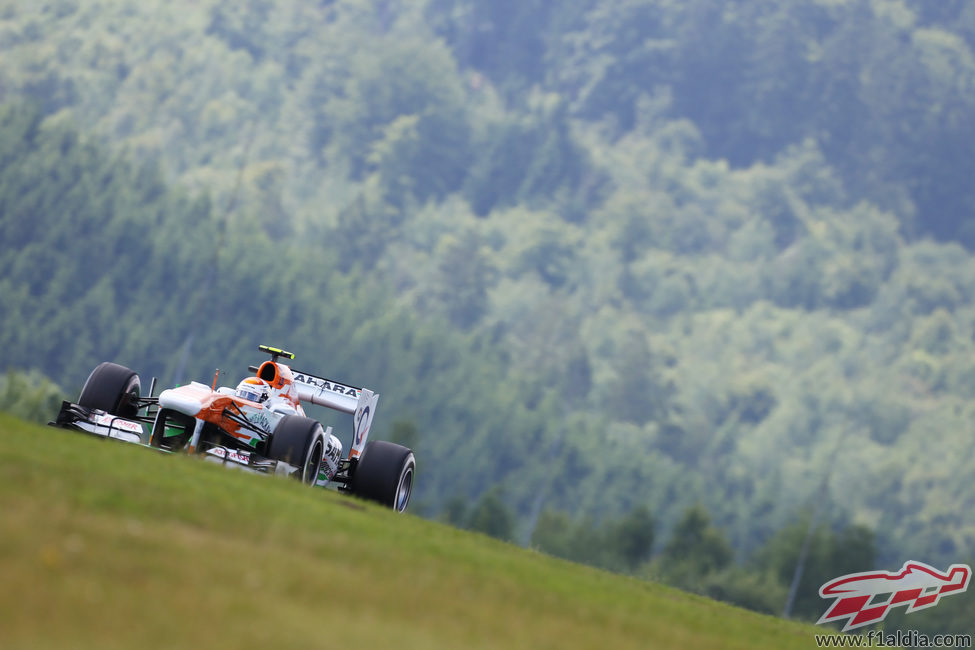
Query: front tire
pixel 299 441
pixel 384 474
pixel 112 388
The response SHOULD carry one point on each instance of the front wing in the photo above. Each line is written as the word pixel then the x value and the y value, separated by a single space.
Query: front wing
pixel 99 423
pixel 105 425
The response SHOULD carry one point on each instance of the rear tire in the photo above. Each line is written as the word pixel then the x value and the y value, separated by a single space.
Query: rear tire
pixel 298 441
pixel 112 388
pixel 384 474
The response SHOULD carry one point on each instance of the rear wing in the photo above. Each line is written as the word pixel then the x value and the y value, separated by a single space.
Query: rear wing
pixel 359 402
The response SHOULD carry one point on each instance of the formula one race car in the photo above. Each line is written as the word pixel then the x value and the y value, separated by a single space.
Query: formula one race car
pixel 259 426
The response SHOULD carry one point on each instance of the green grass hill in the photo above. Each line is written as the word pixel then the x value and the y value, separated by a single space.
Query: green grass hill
pixel 112 546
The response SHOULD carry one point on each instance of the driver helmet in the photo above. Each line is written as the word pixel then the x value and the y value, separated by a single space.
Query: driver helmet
pixel 253 389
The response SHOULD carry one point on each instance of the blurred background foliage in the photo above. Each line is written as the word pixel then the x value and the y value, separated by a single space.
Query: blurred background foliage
pixel 625 272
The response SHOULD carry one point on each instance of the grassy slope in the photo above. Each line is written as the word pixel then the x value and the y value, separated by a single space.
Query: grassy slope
pixel 110 546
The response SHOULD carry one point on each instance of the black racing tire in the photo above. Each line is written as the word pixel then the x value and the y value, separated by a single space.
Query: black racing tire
pixel 112 388
pixel 384 474
pixel 298 441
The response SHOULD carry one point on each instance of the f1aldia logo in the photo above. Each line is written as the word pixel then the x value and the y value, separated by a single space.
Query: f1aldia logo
pixel 865 598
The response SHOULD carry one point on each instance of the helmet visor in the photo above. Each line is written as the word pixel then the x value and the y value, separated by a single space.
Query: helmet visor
pixel 249 394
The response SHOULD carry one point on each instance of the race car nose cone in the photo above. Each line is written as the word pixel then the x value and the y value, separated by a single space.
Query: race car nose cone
pixel 181 400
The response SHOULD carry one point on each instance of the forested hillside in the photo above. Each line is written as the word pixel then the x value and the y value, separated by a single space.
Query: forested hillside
pixel 615 254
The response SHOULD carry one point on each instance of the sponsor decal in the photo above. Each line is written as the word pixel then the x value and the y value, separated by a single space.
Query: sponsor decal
pixel 360 430
pixel 242 457
pixel 333 451
pixel 867 597
pixel 325 385
pixel 259 418
pixel 330 461
pixel 107 420
pixel 239 456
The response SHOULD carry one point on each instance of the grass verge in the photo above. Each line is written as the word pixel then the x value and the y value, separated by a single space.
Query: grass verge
pixel 112 546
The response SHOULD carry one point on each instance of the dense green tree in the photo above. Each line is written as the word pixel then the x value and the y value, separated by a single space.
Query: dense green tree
pixel 505 39
pixel 620 544
pixel 529 158
pixel 490 515
pixel 465 274
pixel 639 393
pixel 696 548
pixel 455 511
pixel 402 111
pixel 30 396
pixel 554 534
pixel 751 589
pixel 404 432
pixel 828 554
pixel 631 537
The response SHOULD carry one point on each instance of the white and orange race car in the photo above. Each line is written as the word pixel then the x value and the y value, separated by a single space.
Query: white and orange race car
pixel 260 426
